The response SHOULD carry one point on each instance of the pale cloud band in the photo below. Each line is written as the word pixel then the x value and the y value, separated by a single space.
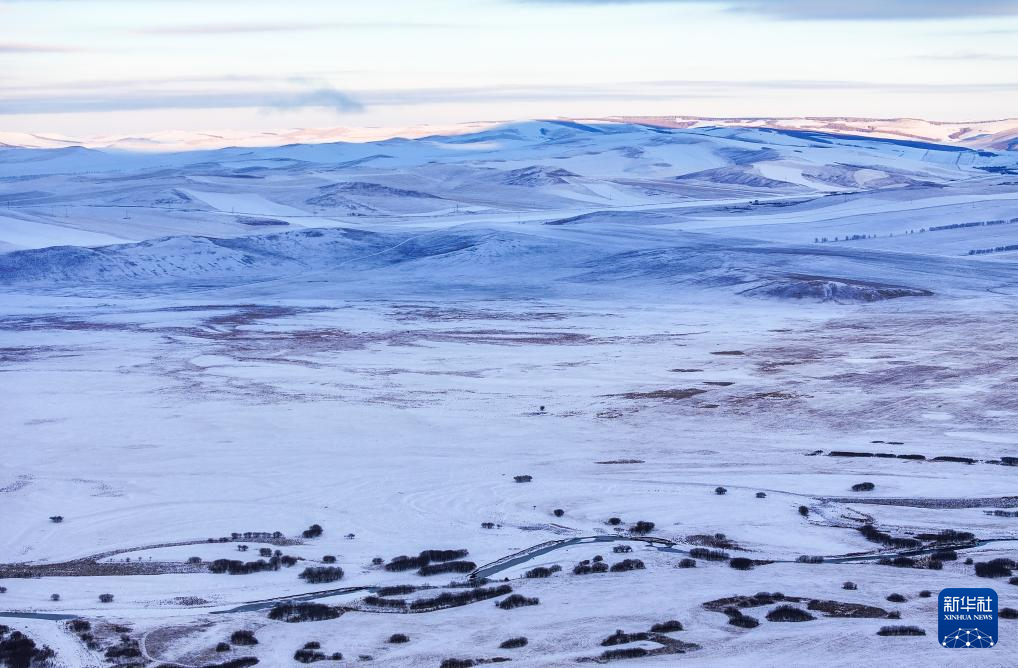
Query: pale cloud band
pixel 867 10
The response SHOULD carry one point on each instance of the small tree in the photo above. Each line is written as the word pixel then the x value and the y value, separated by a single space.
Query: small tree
pixel 105 598
pixel 804 511
pixel 720 491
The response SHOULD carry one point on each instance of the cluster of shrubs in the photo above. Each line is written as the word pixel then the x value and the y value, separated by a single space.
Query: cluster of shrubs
pixel 127 648
pixel 671 626
pixel 235 567
pixel 872 534
pixel 995 568
pixel 789 613
pixel 311 652
pixel 708 555
pixel 319 574
pixel 622 549
pixel 627 565
pixel 425 558
pixel 896 598
pixel 243 637
pixel 641 528
pixel 83 629
pixel 863 487
pixel 542 572
pixel 901 631
pixel 948 536
pixel 736 618
pixel 243 662
pixel 380 602
pixel 396 590
pixel 449 600
pixel 302 612
pixel 687 563
pixel 620 637
pixel 741 563
pixel 17 649
pixel 1008 613
pixel 447 567
pixel 809 559
pixel 398 639
pixel 517 601
pixel 313 531
pixel 523 478
pixel 586 567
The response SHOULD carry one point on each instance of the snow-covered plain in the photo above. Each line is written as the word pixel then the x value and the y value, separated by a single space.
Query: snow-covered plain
pixel 378 337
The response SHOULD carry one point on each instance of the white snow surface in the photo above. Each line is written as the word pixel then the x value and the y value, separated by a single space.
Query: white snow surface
pixel 377 337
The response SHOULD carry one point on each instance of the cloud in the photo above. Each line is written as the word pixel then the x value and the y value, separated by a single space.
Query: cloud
pixel 322 98
pixel 831 10
pixel 970 56
pixel 126 98
pixel 7 47
pixel 198 29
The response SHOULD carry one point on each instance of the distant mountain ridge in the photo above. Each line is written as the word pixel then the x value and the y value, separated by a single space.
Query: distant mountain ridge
pixel 999 135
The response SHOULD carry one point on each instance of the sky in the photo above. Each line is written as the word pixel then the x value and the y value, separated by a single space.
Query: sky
pixel 117 67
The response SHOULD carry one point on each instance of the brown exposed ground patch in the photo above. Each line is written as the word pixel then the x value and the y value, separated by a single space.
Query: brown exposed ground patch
pixel 673 394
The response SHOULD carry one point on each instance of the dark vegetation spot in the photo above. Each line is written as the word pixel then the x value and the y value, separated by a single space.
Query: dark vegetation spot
pixel 398 638
pixel 708 554
pixel 457 663
pixel 558 512
pixel 995 568
pixel 622 549
pixel 642 528
pixel 313 531
pixel 687 563
pixel 744 621
pixel 874 535
pixel 514 643
pixel 517 601
pixel 804 511
pixel 319 574
pixel 728 352
pixel 329 559
pixel 447 567
pixel 56 519
pixel 761 495
pixel 863 487
pixel 896 598
pixel 1008 613
pixel 674 393
pixel 543 572
pixel 925 593
pixel 223 647
pixel 523 478
pixel 850 586
pixel 614 521
pixel 720 491
pixel 243 637
pixel 741 563
pixel 105 598
pixel 901 631
pixel 671 626
pixel 303 612
pixel 627 565
pixel 789 613
pixel 620 637
pixel 625 653
pixel 449 600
